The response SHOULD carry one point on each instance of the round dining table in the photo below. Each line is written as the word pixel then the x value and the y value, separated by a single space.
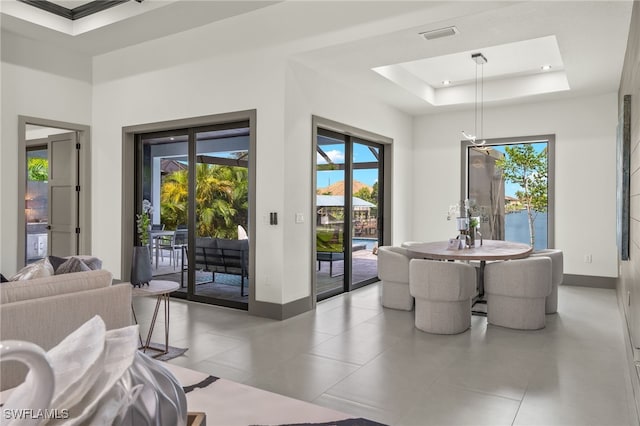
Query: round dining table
pixel 489 250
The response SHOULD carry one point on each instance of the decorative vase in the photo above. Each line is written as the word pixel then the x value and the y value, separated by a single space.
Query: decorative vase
pixel 472 237
pixel 140 266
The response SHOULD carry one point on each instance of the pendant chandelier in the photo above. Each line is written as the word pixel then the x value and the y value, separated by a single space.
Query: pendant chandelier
pixel 477 139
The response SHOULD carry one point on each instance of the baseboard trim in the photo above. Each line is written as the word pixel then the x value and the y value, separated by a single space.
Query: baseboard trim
pixel 589 281
pixel 280 312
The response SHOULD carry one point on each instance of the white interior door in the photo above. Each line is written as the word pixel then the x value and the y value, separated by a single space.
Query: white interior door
pixel 63 194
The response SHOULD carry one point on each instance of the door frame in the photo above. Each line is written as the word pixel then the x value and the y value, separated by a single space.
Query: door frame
pixel 128 227
pixel 385 195
pixel 84 203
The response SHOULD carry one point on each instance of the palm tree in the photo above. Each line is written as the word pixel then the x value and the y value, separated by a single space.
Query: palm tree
pixel 221 199
pixel 174 193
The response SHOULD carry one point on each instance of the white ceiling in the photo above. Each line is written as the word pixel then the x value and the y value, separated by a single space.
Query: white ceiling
pixel 510 71
pixel 584 42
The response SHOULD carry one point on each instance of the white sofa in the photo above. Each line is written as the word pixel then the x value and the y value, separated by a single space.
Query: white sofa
pixel 45 310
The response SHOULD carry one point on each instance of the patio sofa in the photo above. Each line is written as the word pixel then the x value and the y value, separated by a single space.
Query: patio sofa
pixel 45 310
pixel 222 256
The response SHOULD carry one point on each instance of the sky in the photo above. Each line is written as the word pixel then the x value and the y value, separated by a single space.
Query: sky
pixel 370 176
pixel 361 153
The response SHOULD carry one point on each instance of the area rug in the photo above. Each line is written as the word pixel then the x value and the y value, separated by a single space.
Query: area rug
pixel 229 403
pixel 159 347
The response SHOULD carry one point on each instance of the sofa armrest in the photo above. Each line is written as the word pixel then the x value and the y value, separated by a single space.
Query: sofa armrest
pixel 47 321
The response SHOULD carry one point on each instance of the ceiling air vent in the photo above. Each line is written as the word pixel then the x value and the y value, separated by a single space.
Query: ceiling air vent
pixel 439 33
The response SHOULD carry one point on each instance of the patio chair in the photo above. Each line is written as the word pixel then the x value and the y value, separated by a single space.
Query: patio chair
pixel 174 244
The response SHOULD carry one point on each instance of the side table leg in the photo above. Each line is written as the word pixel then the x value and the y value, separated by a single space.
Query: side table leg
pixel 153 322
pixel 166 323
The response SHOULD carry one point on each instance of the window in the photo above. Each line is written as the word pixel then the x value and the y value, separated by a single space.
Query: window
pixel 511 182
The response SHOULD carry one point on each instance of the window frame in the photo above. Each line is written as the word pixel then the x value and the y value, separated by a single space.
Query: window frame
pixel 550 139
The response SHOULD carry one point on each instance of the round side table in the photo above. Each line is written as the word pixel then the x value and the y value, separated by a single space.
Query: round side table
pixel 161 289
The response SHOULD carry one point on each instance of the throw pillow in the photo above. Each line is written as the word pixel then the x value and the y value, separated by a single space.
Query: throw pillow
pixel 40 269
pixel 93 263
pixel 72 264
pixel 56 261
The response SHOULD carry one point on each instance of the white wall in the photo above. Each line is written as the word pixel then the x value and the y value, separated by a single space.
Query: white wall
pixel 51 84
pixel 585 130
pixel 284 161
pixel 308 94
pixel 210 86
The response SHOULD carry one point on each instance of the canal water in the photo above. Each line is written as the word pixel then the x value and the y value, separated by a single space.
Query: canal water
pixel 516 228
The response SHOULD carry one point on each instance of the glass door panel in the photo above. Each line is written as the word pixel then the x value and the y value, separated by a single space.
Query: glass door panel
pixel 221 252
pixel 365 212
pixel 164 162
pixel 330 214
pixel 197 182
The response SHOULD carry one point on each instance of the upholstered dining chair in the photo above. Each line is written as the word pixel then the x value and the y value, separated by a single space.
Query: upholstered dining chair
pixel 393 271
pixel 557 275
pixel 443 293
pixel 516 292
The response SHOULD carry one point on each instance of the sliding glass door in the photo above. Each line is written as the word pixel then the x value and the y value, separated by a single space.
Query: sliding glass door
pixel 197 181
pixel 348 212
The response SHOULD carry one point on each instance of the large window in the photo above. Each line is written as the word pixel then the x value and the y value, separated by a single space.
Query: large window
pixel 510 182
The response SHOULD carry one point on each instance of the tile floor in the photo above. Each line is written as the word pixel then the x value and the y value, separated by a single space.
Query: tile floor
pixel 352 355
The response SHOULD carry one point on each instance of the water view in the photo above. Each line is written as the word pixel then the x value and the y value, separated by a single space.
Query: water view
pixel 517 228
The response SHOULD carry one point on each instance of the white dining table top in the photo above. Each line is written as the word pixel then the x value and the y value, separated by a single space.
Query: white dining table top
pixel 489 250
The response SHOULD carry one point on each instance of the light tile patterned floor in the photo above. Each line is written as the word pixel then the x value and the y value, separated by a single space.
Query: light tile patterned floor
pixel 352 355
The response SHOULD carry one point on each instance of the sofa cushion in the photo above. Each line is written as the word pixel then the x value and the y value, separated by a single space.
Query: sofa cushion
pixel 40 269
pixel 57 284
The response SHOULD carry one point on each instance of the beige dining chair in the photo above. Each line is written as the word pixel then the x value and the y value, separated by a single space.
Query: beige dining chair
pixel 393 271
pixel 443 293
pixel 557 276
pixel 516 292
